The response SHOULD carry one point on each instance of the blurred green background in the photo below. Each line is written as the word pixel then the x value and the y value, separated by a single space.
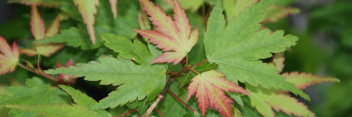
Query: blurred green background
pixel 324 48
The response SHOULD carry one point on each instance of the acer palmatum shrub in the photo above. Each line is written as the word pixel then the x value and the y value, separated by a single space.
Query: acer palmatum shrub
pixel 216 60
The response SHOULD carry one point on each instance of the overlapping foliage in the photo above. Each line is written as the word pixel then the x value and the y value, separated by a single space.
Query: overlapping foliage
pixel 220 64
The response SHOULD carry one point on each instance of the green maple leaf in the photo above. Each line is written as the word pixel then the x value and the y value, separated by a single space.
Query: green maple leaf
pixel 81 108
pixel 265 101
pixel 36 92
pixel 9 56
pixel 135 51
pixel 79 97
pixel 174 37
pixel 209 87
pixel 75 37
pixel 82 99
pixel 135 82
pixel 245 45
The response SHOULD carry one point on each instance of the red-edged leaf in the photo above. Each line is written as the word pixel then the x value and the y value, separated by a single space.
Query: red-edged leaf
pixel 9 57
pixel 38 31
pixel 304 80
pixel 209 88
pixel 37 24
pixel 88 9
pixel 113 4
pixel 54 27
pixel 288 104
pixel 45 3
pixel 265 101
pixel 48 49
pixel 66 78
pixel 173 37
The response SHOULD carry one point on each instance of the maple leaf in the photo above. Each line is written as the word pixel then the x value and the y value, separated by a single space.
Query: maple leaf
pixel 9 56
pixel 39 33
pixel 88 10
pixel 136 51
pixel 37 24
pixel 209 88
pixel 135 82
pixel 34 92
pixel 246 45
pixel 173 37
pixel 66 78
pixel 265 101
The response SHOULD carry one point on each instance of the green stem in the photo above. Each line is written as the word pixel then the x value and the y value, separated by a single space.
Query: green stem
pixel 159 112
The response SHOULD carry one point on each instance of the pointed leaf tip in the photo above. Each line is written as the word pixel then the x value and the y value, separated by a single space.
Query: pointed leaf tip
pixel 174 37
pixel 88 9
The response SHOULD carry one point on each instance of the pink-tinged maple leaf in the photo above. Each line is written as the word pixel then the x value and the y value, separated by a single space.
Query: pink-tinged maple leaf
pixel 209 88
pixel 37 24
pixel 9 56
pixel 63 78
pixel 39 32
pixel 113 4
pixel 88 9
pixel 304 80
pixel 174 37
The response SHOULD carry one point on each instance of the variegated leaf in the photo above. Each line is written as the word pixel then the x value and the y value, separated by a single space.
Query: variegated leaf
pixel 174 37
pixel 9 56
pixel 209 88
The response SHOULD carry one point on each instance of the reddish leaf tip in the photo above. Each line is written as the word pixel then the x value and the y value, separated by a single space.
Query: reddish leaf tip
pixel 37 24
pixel 209 88
pixel 171 36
